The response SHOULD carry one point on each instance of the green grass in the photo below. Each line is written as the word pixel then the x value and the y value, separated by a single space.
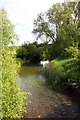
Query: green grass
pixel 59 72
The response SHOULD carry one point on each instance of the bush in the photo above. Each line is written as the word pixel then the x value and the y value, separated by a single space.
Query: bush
pixel 21 53
pixel 54 76
pixel 71 52
pixel 19 61
pixel 60 72
pixel 72 69
pixel 12 97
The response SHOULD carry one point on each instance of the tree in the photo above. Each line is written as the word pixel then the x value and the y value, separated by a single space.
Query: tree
pixel 65 17
pixel 67 28
pixel 42 28
pixel 21 53
pixel 12 97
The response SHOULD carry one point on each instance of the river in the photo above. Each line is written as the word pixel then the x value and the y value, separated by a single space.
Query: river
pixel 42 101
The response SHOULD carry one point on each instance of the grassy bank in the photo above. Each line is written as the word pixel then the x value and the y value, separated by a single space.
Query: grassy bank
pixel 62 72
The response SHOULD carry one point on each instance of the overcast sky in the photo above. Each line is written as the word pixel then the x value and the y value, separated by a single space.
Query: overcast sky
pixel 22 14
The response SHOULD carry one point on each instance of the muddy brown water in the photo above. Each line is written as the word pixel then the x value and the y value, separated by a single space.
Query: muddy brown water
pixel 42 101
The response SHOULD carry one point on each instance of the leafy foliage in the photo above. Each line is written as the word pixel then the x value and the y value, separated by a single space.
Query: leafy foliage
pixel 60 26
pixel 34 52
pixel 65 42
pixel 21 53
pixel 72 70
pixel 54 75
pixel 71 52
pixel 63 71
pixel 12 95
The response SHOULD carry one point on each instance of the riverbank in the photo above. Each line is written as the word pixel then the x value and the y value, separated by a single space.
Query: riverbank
pixel 43 101
pixel 64 74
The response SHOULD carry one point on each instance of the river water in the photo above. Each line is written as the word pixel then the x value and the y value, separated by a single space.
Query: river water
pixel 42 101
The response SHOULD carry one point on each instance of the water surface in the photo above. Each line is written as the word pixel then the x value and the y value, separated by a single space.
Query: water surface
pixel 44 102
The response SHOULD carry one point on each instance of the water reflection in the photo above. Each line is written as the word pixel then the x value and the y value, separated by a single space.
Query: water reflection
pixel 30 77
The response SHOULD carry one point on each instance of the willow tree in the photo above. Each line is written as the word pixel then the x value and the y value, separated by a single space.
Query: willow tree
pixel 12 96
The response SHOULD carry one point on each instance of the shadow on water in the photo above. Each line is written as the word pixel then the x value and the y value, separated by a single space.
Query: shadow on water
pixel 44 102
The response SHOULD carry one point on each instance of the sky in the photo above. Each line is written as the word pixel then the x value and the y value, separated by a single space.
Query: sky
pixel 22 13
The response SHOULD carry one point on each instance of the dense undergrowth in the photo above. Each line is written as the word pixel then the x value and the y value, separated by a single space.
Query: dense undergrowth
pixel 11 97
pixel 64 71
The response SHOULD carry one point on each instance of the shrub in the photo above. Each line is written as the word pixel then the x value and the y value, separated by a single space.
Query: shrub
pixel 71 52
pixel 60 72
pixel 72 69
pixel 12 97
pixel 21 52
pixel 54 76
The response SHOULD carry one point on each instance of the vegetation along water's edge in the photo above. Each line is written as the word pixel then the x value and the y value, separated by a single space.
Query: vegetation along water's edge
pixel 65 73
pixel 12 97
pixel 59 31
